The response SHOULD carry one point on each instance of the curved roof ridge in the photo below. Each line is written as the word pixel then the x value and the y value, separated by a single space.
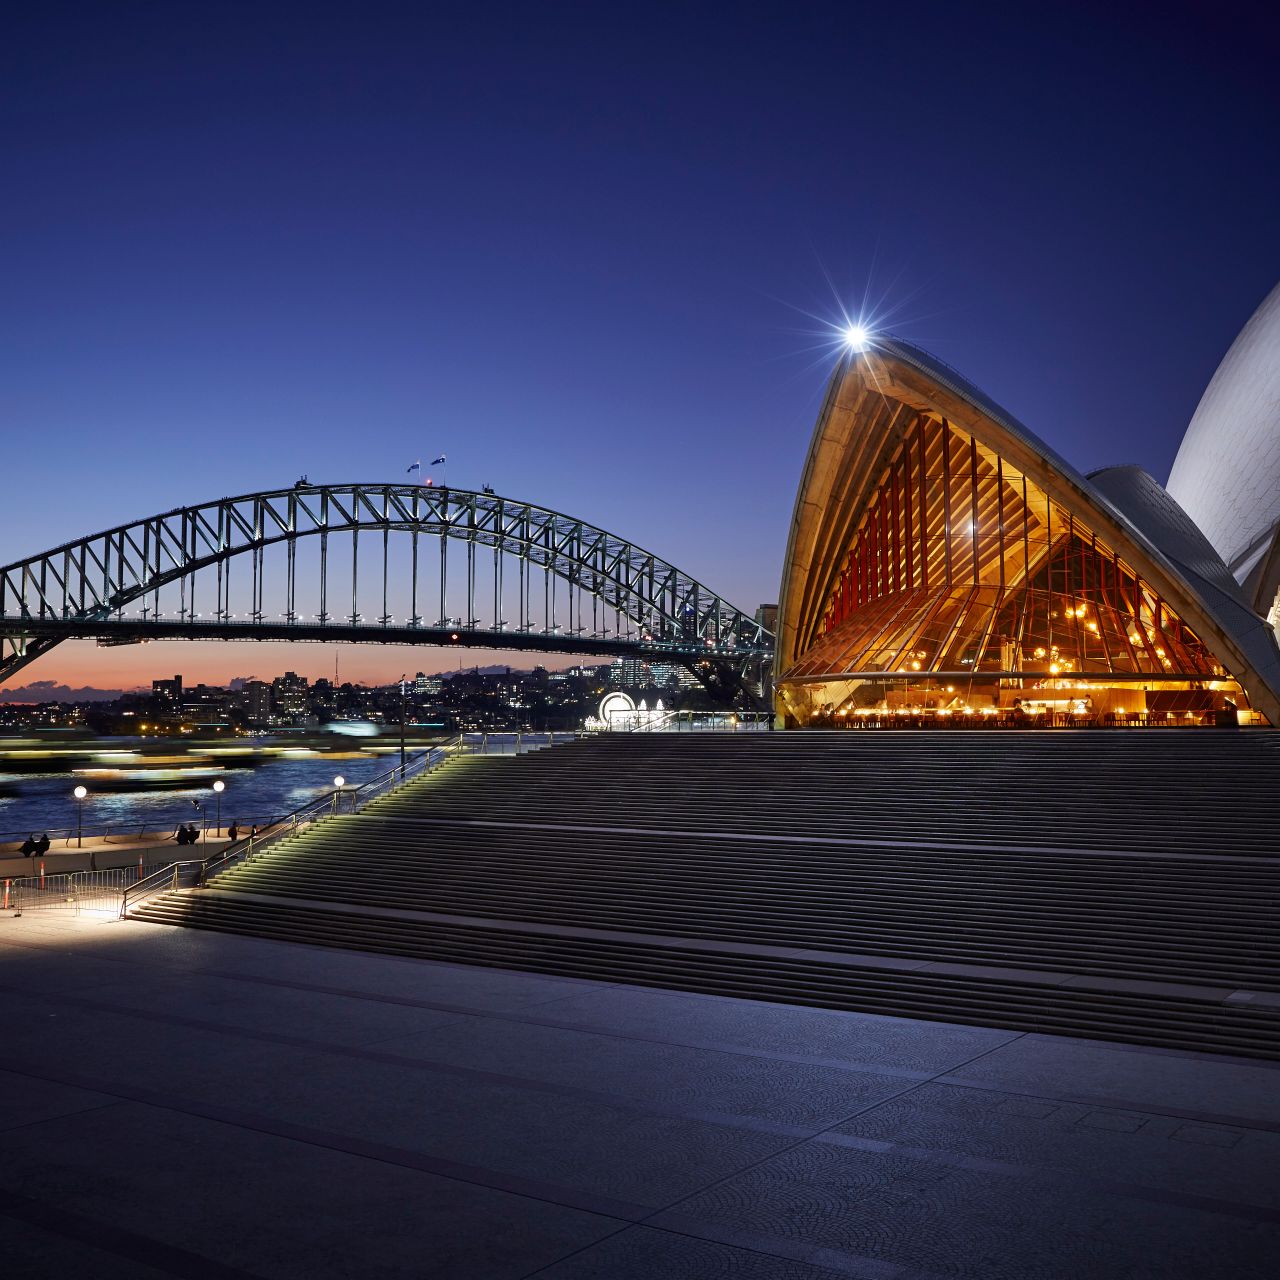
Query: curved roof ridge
pixel 954 381
pixel 1116 466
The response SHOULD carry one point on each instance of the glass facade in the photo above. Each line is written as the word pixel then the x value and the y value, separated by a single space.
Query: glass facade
pixel 964 588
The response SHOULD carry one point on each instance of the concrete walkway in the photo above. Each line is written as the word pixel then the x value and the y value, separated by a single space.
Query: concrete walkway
pixel 175 1103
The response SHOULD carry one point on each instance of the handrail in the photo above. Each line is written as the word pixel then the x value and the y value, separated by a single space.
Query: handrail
pixel 513 741
pixel 120 835
pixel 323 805
pixel 403 770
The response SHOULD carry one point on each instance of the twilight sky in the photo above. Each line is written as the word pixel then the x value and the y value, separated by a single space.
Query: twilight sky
pixel 593 252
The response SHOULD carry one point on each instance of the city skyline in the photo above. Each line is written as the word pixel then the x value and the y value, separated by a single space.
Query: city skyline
pixel 35 692
pixel 28 689
pixel 615 290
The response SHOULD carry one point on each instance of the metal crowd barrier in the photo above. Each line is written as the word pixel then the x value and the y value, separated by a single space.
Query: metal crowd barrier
pixel 73 891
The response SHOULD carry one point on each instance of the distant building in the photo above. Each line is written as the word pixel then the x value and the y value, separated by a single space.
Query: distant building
pixel 670 675
pixel 168 691
pixel 636 673
pixel 629 673
pixel 257 701
pixel 291 694
pixel 205 705
pixel 593 673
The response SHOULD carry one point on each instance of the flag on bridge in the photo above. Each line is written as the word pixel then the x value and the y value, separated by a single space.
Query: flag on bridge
pixel 438 462
pixel 417 466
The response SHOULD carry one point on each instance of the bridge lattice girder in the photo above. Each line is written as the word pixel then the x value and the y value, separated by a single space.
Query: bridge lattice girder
pixel 85 587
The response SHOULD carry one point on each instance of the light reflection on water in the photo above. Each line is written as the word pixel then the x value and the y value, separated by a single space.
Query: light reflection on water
pixel 44 802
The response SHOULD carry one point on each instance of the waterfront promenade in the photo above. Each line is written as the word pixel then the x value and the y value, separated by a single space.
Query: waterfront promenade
pixel 69 856
pixel 179 1103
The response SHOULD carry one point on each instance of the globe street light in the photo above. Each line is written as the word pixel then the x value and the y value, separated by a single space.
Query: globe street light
pixel 338 783
pixel 218 788
pixel 80 793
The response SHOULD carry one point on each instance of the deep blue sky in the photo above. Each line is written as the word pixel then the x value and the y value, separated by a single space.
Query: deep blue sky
pixel 579 249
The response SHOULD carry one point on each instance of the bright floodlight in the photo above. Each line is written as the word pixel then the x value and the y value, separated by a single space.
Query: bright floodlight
pixel 80 792
pixel 339 781
pixel 856 337
pixel 219 785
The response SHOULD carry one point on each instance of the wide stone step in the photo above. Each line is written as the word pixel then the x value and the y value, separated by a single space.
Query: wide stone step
pixel 1123 886
pixel 1152 1013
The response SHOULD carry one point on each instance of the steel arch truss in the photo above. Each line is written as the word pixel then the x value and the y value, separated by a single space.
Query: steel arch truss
pixel 110 585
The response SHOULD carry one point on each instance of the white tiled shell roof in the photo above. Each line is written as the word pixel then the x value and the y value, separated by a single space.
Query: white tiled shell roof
pixel 1227 472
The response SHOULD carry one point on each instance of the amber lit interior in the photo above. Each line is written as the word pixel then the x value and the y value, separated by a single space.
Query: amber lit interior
pixel 966 590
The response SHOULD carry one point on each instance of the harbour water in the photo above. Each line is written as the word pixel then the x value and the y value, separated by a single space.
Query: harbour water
pixel 44 802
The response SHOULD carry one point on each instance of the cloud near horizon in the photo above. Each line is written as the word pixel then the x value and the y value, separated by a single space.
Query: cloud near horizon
pixel 50 691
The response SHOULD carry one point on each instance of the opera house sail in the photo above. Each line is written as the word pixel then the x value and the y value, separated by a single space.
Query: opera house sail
pixel 1227 472
pixel 942 561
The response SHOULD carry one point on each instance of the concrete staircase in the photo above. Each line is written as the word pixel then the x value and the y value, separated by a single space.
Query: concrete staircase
pixel 1116 885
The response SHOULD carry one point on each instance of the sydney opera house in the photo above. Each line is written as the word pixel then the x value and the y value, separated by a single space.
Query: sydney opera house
pixel 945 562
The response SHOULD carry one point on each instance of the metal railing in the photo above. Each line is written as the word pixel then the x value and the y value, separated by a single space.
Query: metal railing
pixel 67 837
pixel 75 891
pixel 690 722
pixel 196 873
pixel 517 743
pixel 118 889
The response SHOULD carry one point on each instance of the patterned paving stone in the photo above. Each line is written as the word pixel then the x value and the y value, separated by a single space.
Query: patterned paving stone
pixel 700 1080
pixel 27 1099
pixel 36 1253
pixel 1057 1067
pixel 856 1039
pixel 641 1253
pixel 572 1142
pixel 926 1216
pixel 275 1207
pixel 324 1018
pixel 1150 1151
pixel 519 1132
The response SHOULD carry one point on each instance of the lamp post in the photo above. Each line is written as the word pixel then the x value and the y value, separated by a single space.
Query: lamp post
pixel 402 718
pixel 80 793
pixel 218 788
pixel 338 783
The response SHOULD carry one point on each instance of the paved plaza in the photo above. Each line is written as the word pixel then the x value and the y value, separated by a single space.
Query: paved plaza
pixel 174 1103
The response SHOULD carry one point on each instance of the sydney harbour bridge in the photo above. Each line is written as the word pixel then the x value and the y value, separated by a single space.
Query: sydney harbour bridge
pixel 381 563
